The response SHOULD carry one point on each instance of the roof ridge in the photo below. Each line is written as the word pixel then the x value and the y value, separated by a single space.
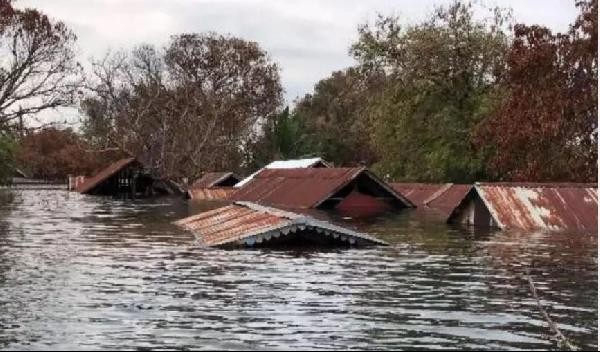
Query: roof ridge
pixel 438 193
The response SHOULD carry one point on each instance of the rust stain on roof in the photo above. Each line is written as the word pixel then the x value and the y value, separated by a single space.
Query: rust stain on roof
pixel 441 197
pixel 103 175
pixel 248 224
pixel 304 188
pixel 213 179
pixel 213 193
pixel 558 206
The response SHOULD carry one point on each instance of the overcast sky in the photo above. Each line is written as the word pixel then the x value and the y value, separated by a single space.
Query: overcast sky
pixel 308 38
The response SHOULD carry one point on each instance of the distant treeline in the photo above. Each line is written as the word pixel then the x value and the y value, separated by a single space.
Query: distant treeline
pixel 458 97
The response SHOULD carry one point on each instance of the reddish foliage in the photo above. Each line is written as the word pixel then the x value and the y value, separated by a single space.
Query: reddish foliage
pixel 545 129
pixel 54 154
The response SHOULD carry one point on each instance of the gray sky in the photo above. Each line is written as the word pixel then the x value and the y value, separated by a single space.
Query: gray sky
pixel 308 38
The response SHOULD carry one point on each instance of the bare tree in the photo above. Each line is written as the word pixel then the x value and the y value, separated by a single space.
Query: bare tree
pixel 38 70
pixel 184 109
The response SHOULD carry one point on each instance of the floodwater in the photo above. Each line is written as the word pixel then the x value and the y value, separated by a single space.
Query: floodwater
pixel 81 272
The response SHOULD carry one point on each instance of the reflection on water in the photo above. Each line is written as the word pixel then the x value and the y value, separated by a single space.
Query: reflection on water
pixel 86 272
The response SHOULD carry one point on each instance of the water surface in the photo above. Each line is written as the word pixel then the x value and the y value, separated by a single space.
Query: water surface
pixel 82 272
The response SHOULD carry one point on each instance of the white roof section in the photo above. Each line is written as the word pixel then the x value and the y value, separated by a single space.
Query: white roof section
pixel 285 164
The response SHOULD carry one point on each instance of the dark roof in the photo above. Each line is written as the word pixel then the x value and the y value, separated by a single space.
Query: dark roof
pixel 105 174
pixel 214 179
pixel 550 206
pixel 304 188
pixel 247 224
pixel 441 197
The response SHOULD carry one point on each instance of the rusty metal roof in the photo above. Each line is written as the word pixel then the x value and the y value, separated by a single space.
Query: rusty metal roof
pixel 304 188
pixel 287 164
pixel 441 197
pixel 550 206
pixel 213 179
pixel 105 174
pixel 247 224
pixel 418 193
pixel 213 193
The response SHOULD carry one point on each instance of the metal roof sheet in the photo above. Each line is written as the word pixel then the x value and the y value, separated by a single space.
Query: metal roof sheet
pixel 549 206
pixel 212 179
pixel 304 188
pixel 418 193
pixel 247 224
pixel 286 164
pixel 213 193
pixel 441 197
pixel 105 174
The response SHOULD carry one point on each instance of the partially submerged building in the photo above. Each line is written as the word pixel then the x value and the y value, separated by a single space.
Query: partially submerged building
pixel 530 206
pixel 213 186
pixel 17 179
pixel 353 191
pixel 75 182
pixel 126 178
pixel 311 163
pixel 245 224
pixel 440 198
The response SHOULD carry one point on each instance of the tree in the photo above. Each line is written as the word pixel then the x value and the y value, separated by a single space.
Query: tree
pixel 7 159
pixel 546 127
pixel 54 154
pixel 441 78
pixel 334 117
pixel 282 136
pixel 185 109
pixel 38 70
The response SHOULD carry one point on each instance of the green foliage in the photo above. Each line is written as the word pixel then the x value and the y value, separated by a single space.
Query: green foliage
pixel 335 118
pixel 283 137
pixel 7 157
pixel 441 82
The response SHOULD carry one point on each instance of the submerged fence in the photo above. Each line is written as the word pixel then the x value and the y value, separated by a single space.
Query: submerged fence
pixel 28 183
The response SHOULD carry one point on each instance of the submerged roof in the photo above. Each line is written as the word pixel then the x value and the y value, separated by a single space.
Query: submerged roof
pixel 287 164
pixel 248 224
pixel 441 197
pixel 551 206
pixel 213 179
pixel 92 182
pixel 304 188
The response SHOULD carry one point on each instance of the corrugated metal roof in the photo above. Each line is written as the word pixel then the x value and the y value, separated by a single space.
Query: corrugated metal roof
pixel 550 206
pixel 213 193
pixel 304 188
pixel 247 224
pixel 441 197
pixel 212 179
pixel 103 175
pixel 418 193
pixel 286 164
pixel 448 199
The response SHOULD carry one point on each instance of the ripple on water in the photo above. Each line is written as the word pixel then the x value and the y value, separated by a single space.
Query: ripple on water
pixel 85 272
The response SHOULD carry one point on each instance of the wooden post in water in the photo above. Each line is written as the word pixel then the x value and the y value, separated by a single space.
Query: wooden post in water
pixel 132 183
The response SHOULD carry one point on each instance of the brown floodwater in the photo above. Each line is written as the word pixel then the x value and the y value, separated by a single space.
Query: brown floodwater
pixel 82 272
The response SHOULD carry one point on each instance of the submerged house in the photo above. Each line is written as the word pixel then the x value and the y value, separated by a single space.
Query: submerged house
pixel 213 186
pixel 245 224
pixel 284 208
pixel 352 191
pixel 126 178
pixel 311 163
pixel 440 198
pixel 530 206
